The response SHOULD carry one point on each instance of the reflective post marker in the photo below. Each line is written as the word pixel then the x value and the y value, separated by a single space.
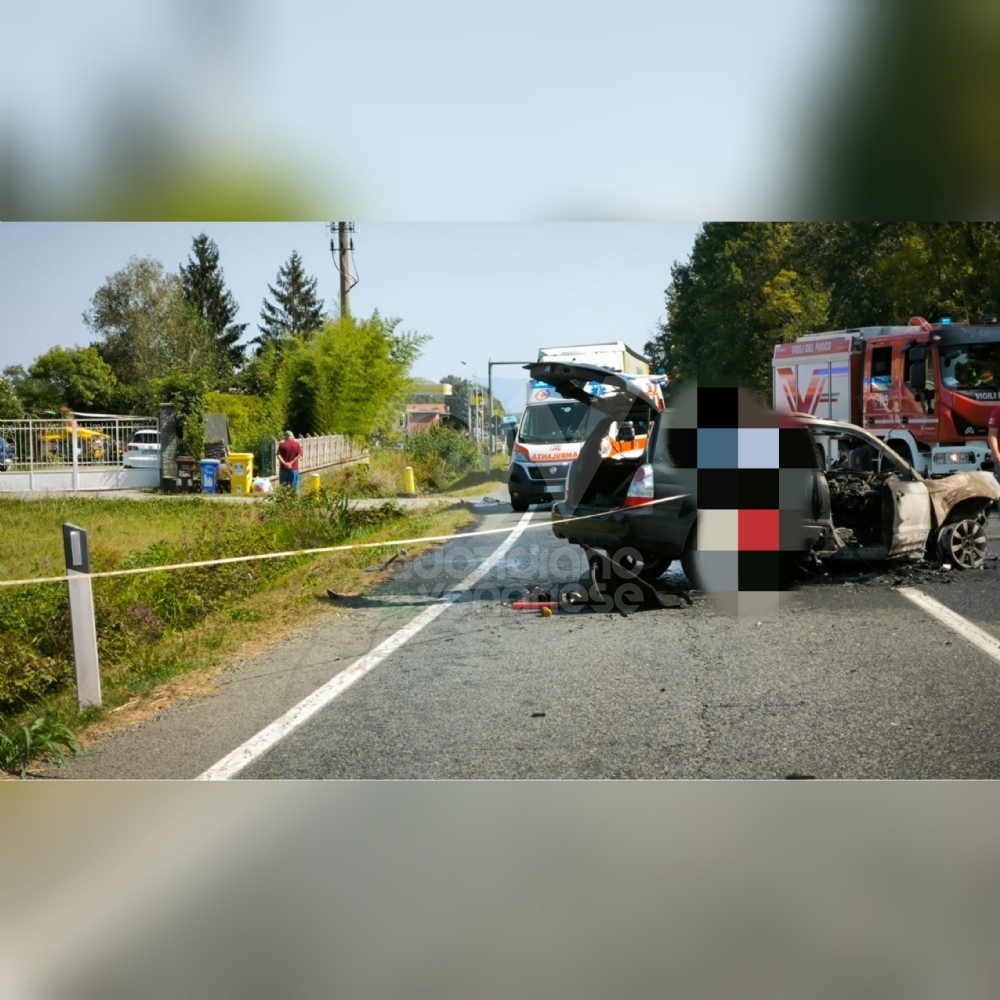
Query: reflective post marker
pixel 81 613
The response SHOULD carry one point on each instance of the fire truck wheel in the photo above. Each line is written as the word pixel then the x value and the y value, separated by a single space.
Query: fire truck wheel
pixel 963 544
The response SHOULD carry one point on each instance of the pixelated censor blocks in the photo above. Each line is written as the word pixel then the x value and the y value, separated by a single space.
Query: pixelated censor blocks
pixel 752 492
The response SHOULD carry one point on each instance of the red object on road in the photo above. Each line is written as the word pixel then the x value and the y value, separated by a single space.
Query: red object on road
pixel 533 605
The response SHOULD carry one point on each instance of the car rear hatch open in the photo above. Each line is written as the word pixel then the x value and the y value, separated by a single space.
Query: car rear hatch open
pixel 609 391
pixel 615 446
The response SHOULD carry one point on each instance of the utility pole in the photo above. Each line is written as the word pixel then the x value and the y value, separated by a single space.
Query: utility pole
pixel 345 289
pixel 340 248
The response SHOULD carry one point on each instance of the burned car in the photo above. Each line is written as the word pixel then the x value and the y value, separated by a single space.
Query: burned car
pixel 813 490
pixel 882 508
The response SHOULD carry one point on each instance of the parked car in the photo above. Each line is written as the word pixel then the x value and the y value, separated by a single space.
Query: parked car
pixel 143 451
pixel 843 494
pixel 6 455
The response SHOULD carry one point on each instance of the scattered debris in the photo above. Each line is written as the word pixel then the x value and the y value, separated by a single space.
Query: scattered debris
pixel 392 559
pixel 538 715
pixel 386 564
pixel 546 612
pixel 795 776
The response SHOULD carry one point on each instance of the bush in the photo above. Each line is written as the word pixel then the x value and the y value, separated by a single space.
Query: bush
pixel 250 418
pixel 441 455
pixel 133 612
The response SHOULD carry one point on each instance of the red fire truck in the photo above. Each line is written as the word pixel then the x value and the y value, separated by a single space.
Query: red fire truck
pixel 927 388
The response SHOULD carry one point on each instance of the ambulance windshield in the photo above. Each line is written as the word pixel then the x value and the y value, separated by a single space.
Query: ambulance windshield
pixel 554 423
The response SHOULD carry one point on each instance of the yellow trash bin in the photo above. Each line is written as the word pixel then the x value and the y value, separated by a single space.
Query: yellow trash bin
pixel 242 465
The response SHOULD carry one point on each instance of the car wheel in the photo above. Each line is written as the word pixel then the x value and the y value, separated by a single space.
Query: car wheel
pixel 519 505
pixel 963 544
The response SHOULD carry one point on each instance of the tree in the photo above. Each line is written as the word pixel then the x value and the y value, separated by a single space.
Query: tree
pixel 10 405
pixel 748 286
pixel 205 292
pixel 461 395
pixel 77 377
pixel 739 294
pixel 339 381
pixel 298 311
pixel 145 329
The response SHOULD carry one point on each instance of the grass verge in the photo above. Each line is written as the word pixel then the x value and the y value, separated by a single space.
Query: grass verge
pixel 163 637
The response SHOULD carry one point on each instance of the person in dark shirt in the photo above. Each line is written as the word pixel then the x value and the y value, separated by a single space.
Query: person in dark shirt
pixel 289 452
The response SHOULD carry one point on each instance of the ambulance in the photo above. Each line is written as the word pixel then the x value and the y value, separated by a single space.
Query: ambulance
pixel 553 428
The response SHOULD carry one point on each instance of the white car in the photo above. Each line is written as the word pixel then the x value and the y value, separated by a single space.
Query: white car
pixel 143 451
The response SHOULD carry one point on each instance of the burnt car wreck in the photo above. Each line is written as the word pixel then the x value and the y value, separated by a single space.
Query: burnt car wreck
pixel 844 495
pixel 882 509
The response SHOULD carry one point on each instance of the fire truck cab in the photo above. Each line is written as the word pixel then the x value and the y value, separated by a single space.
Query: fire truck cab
pixel 927 389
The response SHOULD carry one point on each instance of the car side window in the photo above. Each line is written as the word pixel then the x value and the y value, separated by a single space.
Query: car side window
pixel 682 447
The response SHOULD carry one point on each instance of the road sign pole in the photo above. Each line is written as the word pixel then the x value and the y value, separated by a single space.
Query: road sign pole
pixel 489 447
pixel 81 613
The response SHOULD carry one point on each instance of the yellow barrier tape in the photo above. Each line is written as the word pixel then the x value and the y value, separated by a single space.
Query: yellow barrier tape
pixel 311 552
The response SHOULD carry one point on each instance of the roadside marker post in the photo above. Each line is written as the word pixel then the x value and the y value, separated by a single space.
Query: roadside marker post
pixel 81 613
pixel 409 482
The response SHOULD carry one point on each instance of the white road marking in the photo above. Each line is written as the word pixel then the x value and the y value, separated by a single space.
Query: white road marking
pixel 951 619
pixel 256 746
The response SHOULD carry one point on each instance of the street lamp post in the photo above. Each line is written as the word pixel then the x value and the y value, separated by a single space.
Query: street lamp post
pixel 479 435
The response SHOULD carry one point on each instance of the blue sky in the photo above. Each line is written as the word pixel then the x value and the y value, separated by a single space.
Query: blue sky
pixel 481 291
pixel 531 109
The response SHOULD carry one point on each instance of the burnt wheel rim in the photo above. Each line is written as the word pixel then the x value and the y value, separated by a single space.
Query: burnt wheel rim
pixel 964 544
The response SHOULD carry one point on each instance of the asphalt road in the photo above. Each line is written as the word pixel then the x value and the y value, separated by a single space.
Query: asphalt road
pixel 848 680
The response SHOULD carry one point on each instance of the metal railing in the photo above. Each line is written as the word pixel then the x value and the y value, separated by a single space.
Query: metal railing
pixel 322 452
pixel 69 443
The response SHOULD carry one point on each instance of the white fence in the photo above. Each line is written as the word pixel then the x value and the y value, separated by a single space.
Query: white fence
pixel 324 452
pixel 83 453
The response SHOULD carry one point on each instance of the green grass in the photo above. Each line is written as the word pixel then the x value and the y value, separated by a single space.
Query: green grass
pixel 478 483
pixel 152 628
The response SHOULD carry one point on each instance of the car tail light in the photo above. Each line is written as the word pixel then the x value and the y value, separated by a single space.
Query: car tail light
pixel 640 491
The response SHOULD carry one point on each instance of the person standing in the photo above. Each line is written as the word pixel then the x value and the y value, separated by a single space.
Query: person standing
pixel 992 435
pixel 289 453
